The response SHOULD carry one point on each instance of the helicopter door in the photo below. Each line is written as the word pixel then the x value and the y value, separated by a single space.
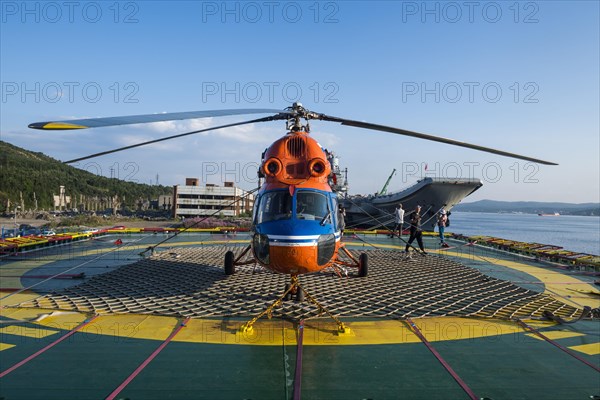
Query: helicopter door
pixel 336 216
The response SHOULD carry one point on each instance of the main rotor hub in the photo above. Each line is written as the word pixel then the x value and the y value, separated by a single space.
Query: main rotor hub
pixel 297 114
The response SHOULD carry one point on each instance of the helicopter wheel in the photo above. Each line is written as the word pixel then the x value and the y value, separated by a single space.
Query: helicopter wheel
pixel 229 267
pixel 363 265
pixel 289 295
pixel 299 297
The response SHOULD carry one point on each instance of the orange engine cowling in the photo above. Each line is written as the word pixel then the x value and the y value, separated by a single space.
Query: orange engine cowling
pixel 294 159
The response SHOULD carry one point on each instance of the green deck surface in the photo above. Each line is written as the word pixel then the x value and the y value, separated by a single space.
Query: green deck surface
pixel 84 366
pixel 407 371
pixel 519 366
pixel 209 371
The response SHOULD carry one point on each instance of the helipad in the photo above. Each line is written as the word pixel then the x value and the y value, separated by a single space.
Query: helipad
pixel 458 326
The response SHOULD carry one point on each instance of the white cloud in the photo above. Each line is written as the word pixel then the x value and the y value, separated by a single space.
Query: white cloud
pixel 179 126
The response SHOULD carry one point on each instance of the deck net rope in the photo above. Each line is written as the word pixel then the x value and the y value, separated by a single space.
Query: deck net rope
pixel 190 282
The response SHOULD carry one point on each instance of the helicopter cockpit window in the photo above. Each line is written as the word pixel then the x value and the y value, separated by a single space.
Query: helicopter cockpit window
pixel 255 209
pixel 274 206
pixel 311 205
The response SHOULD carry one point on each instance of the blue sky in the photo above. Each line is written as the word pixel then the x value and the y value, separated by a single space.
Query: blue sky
pixel 519 76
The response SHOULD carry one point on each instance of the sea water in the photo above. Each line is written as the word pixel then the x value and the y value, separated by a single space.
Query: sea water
pixel 575 233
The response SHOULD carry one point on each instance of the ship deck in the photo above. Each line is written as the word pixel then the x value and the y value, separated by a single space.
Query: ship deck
pixel 466 322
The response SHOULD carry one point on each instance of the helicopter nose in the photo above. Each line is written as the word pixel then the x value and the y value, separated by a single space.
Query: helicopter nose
pixel 294 260
pixel 304 259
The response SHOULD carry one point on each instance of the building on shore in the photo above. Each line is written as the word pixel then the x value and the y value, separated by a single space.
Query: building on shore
pixel 194 200
pixel 165 202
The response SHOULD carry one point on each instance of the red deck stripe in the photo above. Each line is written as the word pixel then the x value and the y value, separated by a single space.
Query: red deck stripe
pixel 437 355
pixel 65 276
pixel 298 373
pixel 31 357
pixel 146 361
pixel 547 339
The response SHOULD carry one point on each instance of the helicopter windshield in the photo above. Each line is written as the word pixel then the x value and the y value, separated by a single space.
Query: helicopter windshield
pixel 311 205
pixel 274 206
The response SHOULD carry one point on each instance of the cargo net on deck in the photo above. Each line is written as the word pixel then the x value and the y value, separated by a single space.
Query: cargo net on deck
pixel 191 283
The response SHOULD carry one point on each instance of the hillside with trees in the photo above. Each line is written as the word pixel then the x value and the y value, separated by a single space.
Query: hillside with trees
pixel 31 179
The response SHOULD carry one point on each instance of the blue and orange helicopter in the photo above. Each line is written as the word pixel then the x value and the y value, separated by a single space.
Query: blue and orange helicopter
pixel 296 223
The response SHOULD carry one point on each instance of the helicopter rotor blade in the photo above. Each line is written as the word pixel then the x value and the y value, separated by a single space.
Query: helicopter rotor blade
pixel 295 111
pixel 265 119
pixel 383 128
pixel 146 118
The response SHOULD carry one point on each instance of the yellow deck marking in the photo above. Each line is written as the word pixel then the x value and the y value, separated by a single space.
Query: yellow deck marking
pixel 6 346
pixel 180 244
pixel 553 281
pixel 62 320
pixel 216 331
pixel 27 331
pixel 30 265
pixel 23 314
pixel 11 277
pixel 12 282
pixel 277 332
pixel 453 328
pixel 591 349
pixel 554 335
pixel 15 299
pixel 133 326
pixel 317 332
pixel 537 324
pixel 323 332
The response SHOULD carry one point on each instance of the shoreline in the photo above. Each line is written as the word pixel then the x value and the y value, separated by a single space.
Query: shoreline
pixel 8 223
pixel 519 213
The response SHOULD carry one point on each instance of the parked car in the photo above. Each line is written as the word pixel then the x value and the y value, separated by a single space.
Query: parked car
pixel 30 232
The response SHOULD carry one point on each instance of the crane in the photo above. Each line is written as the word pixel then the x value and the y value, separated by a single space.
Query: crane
pixel 384 188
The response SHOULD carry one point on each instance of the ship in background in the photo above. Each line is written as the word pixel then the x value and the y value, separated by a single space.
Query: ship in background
pixel 377 211
pixel 432 194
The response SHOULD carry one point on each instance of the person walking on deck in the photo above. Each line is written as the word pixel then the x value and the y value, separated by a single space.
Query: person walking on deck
pixel 398 220
pixel 416 231
pixel 441 223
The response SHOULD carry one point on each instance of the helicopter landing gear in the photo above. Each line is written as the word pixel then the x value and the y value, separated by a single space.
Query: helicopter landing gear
pixel 231 261
pixel 363 265
pixel 293 293
pixel 299 295
pixel 229 265
pixel 288 292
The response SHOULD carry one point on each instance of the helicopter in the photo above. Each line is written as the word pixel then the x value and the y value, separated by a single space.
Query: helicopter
pixel 297 222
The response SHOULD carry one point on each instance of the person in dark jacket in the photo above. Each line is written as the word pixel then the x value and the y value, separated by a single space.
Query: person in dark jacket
pixel 416 231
